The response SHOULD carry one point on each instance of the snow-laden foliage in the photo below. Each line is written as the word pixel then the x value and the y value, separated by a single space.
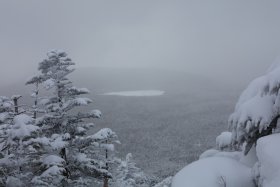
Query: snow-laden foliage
pixel 7 162
pixel 6 109
pixel 129 175
pixel 257 110
pixel 20 150
pixel 72 153
pixel 165 182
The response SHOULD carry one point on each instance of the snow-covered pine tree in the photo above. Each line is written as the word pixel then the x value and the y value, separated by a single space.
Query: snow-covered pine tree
pixel 73 157
pixel 36 81
pixel 129 175
pixel 257 110
pixel 100 147
pixel 6 116
pixel 20 144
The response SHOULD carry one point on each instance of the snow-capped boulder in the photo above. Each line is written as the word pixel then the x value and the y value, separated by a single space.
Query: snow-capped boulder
pixel 267 170
pixel 214 172
pixel 208 153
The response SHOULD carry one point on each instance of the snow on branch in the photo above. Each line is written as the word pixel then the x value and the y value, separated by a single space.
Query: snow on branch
pixel 257 109
pixel 103 134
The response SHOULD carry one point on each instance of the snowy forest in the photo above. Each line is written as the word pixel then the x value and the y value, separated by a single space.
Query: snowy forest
pixel 123 93
pixel 47 143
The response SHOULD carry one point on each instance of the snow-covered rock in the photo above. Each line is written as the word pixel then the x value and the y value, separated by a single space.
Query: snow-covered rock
pixel 214 172
pixel 268 154
pixel 208 153
pixel 236 155
pixel 250 159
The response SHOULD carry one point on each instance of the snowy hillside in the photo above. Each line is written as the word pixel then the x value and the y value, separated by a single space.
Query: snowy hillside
pixel 153 125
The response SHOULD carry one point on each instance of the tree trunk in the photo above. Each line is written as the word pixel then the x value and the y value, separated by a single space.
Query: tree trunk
pixel 36 100
pixel 107 168
pixel 16 105
pixel 105 182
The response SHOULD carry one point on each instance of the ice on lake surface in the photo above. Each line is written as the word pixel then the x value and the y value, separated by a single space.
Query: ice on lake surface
pixel 137 93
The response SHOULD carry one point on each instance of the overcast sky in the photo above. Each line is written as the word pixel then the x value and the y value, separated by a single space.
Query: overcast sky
pixel 221 38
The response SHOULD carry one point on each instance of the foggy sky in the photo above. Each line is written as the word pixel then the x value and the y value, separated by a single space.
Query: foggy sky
pixel 218 38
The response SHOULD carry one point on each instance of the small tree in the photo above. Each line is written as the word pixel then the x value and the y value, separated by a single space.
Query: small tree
pixel 257 110
pixel 97 148
pixel 127 174
pixel 74 154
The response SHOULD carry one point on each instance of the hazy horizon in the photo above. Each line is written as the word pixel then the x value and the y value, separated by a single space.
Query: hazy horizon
pixel 228 40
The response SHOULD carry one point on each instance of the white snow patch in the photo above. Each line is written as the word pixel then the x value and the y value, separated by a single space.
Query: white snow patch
pixel 137 93
pixel 13 182
pixel 49 83
pixel 223 140
pixel 4 116
pixel 268 154
pixel 109 147
pixel 208 153
pixel 22 127
pixel 103 134
pixel 53 171
pixel 236 155
pixel 96 113
pixel 53 160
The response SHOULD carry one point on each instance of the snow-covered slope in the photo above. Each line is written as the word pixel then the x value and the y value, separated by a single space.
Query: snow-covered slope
pixel 146 124
pixel 214 172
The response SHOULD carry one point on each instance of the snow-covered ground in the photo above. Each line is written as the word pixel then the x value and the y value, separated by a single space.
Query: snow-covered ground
pixel 214 172
pixel 267 170
pixel 137 93
pixel 232 169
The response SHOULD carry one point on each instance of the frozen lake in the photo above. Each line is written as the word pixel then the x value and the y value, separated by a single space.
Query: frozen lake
pixel 137 93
